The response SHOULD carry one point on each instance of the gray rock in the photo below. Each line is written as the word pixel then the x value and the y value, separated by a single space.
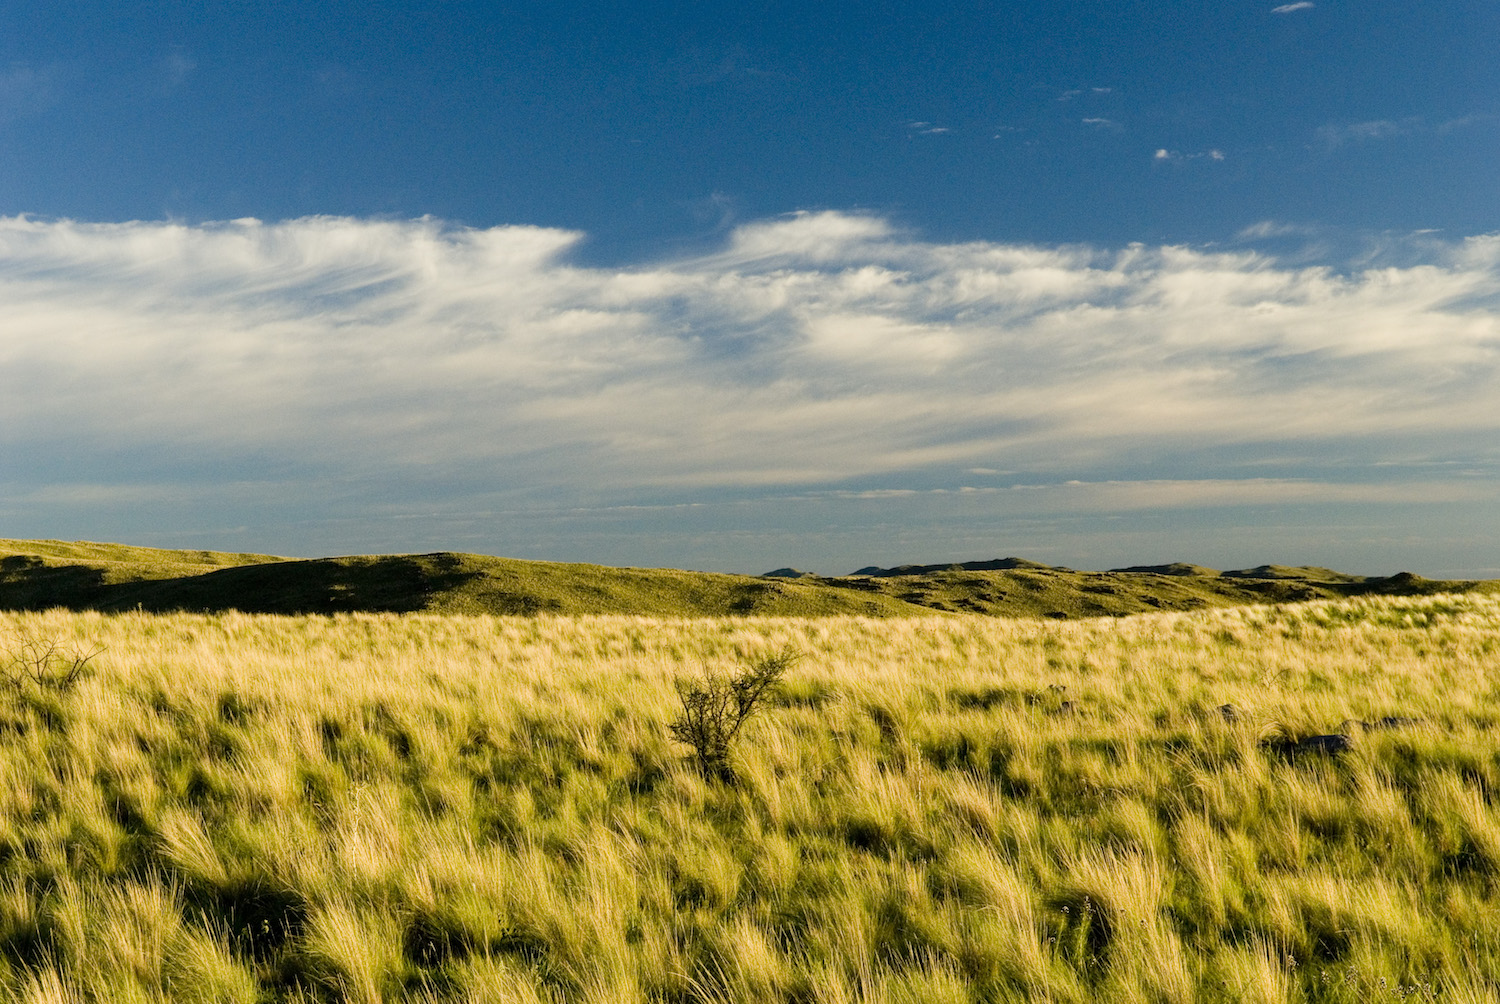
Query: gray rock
pixel 1393 722
pixel 1350 725
pixel 1292 749
pixel 1336 743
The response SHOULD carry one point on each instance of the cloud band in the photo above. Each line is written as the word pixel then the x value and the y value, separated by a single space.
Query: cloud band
pixel 810 350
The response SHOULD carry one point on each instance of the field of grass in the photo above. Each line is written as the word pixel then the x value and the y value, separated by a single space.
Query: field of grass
pixel 374 807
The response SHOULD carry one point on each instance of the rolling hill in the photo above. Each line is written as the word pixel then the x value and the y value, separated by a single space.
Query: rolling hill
pixel 39 574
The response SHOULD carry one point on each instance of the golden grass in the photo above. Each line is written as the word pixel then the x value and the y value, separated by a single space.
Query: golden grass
pixel 469 808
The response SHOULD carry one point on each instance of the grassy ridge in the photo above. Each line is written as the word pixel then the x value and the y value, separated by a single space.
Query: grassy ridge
pixel 97 578
pixel 113 564
pixel 371 808
pixel 36 575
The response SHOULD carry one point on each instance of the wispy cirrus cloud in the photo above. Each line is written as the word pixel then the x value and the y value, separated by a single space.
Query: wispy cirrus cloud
pixel 1073 93
pixel 26 90
pixel 178 65
pixel 819 349
pixel 1275 228
pixel 1373 129
pixel 1465 122
pixel 1340 134
pixel 1167 494
pixel 1290 8
pixel 1163 155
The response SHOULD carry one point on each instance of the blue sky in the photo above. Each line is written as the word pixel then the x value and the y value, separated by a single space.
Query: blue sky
pixel 739 286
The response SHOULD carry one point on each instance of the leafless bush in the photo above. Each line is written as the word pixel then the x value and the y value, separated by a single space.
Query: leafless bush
pixel 39 666
pixel 715 708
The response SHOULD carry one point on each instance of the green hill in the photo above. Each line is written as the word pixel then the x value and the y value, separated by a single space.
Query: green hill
pixel 41 574
pixel 111 577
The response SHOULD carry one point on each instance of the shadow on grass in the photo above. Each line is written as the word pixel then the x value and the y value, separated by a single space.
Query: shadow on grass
pixel 395 584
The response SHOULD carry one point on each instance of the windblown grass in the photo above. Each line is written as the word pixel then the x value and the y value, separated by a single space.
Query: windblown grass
pixel 446 808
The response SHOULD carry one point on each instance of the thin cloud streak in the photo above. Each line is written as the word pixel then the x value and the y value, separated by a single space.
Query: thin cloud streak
pixel 25 91
pixel 810 351
pixel 1364 132
pixel 1167 494
pixel 1335 135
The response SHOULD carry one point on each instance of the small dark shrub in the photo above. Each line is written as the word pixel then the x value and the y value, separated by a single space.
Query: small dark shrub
pixel 715 708
pixel 39 667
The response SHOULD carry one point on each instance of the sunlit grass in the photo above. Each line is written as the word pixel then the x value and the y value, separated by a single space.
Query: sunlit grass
pixel 444 808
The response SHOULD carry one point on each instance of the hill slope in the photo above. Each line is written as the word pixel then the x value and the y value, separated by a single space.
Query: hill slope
pixel 40 574
pixel 88 576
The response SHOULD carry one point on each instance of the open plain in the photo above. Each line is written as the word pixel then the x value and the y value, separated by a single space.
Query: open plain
pixel 380 807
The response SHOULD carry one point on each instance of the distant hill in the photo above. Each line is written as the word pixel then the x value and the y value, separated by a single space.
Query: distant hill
pixel 1175 568
pixel 997 565
pixel 1302 572
pixel 113 577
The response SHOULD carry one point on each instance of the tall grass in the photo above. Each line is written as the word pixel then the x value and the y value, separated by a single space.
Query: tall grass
pixel 424 808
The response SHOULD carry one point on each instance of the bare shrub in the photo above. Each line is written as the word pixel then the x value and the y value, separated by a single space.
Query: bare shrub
pixel 40 666
pixel 715 708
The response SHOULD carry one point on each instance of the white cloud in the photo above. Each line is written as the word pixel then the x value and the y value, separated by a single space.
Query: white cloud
pixel 1267 229
pixel 1338 134
pixel 1288 8
pixel 1164 155
pixel 1465 122
pixel 1362 132
pixel 812 349
pixel 1167 494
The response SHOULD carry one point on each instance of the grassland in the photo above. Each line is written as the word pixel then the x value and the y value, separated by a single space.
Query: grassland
pixel 373 807
pixel 38 575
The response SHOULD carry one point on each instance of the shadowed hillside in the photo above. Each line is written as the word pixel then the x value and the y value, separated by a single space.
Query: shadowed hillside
pixel 41 574
pixel 37 575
